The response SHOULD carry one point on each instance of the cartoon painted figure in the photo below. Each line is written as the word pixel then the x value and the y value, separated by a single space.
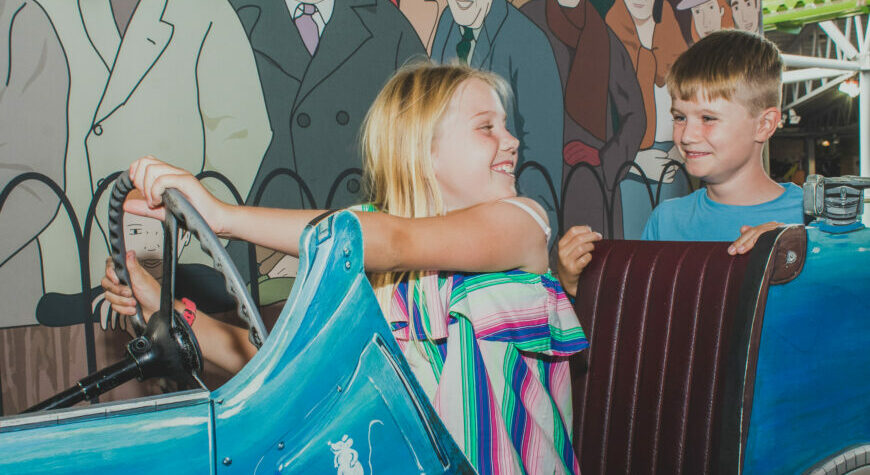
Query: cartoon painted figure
pixel 650 33
pixel 321 64
pixel 33 94
pixel 604 110
pixel 346 459
pixel 707 16
pixel 494 36
pixel 423 15
pixel 150 77
pixel 746 15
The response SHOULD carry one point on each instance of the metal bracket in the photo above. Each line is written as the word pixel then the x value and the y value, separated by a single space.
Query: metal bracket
pixel 839 200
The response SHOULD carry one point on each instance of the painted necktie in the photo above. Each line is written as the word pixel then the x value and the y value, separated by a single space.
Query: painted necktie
pixel 464 45
pixel 308 29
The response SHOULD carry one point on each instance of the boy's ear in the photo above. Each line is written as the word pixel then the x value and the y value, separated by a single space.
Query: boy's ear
pixel 768 122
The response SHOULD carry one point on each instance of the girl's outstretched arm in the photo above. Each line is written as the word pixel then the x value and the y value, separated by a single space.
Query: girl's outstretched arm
pixel 273 228
pixel 487 237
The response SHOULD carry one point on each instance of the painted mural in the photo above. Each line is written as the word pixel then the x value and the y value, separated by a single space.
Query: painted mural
pixel 264 100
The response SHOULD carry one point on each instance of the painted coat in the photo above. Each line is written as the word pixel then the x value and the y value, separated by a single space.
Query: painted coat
pixel 182 86
pixel 33 138
pixel 512 46
pixel 317 103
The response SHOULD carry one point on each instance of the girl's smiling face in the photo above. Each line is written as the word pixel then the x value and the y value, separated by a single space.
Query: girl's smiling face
pixel 473 154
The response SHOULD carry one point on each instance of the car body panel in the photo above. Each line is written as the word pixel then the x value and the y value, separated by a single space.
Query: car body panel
pixel 168 434
pixel 811 383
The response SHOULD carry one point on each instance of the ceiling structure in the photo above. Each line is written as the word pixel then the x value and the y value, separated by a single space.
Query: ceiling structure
pixel 825 46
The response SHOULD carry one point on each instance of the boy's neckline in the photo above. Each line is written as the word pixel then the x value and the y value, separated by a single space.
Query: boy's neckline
pixel 771 193
pixel 745 193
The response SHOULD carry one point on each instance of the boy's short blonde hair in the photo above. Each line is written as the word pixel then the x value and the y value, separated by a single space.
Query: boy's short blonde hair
pixel 730 65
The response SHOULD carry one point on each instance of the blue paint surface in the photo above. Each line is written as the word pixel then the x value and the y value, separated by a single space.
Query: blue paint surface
pixel 329 390
pixel 812 384
pixel 172 440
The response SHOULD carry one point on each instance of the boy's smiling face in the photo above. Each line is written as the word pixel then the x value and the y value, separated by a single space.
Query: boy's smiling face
pixel 720 139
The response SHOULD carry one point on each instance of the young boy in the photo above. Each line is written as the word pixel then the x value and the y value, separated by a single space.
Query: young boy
pixel 726 92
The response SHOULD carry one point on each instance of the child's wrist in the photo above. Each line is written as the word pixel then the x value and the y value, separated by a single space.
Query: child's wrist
pixel 226 215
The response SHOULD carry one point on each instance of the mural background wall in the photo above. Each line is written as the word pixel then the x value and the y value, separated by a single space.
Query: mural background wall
pixel 264 100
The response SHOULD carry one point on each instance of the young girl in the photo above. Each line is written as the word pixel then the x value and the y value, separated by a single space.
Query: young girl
pixel 488 336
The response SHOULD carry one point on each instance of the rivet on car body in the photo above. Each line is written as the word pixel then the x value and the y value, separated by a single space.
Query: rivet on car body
pixel 280 445
pixel 347 265
pixel 228 461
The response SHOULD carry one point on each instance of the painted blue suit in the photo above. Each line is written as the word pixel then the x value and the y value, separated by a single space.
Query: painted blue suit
pixel 510 45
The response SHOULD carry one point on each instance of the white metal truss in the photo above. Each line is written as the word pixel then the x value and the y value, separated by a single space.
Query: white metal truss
pixel 830 52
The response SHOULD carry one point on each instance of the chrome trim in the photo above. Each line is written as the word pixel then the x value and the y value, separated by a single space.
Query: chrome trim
pixel 105 410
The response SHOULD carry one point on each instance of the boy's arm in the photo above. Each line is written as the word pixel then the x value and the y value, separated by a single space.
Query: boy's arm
pixel 749 236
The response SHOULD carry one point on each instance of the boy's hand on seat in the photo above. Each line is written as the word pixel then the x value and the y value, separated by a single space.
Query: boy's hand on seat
pixel 748 236
pixel 146 290
pixel 575 253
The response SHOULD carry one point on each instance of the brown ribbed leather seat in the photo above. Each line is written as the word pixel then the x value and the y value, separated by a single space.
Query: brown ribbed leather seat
pixel 648 392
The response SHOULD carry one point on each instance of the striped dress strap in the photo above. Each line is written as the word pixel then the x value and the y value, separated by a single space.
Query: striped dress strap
pixel 534 214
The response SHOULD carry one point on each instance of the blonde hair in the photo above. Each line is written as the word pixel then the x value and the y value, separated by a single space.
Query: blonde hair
pixel 730 64
pixel 397 135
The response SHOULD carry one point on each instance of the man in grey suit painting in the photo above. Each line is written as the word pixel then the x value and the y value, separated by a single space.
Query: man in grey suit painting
pixel 321 64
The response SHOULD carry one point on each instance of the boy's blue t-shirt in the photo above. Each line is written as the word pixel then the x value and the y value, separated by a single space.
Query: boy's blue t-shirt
pixel 696 217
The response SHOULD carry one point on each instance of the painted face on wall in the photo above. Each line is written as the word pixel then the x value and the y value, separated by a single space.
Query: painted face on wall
pixel 745 13
pixel 145 237
pixel 470 13
pixel 707 17
pixel 640 10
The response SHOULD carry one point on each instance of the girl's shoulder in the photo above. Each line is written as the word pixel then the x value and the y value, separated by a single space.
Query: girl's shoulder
pixel 534 209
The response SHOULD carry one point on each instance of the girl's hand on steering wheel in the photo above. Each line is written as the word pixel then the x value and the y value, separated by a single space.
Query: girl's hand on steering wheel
pixel 146 289
pixel 152 177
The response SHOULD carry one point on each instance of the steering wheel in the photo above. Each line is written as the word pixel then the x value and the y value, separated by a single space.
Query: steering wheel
pixel 165 346
pixel 166 320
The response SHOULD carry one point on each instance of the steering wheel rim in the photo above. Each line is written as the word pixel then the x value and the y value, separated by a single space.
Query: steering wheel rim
pixel 186 215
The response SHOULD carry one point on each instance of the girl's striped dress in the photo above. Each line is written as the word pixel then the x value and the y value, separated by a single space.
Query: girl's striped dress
pixel 490 350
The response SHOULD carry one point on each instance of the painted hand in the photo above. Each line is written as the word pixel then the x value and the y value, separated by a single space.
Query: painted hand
pixel 653 162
